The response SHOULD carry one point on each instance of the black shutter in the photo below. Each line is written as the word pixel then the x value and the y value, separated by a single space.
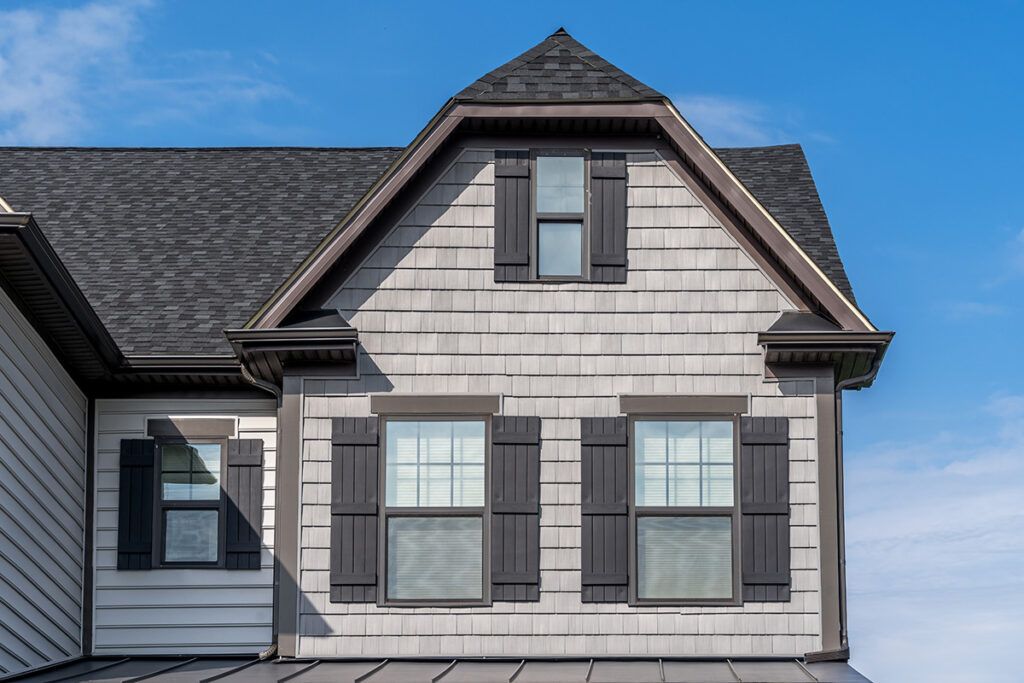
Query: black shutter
pixel 354 509
pixel 135 505
pixel 764 496
pixel 511 216
pixel 515 509
pixel 244 492
pixel 605 498
pixel 607 217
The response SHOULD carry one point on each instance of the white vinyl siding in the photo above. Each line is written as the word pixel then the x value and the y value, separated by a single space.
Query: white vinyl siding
pixel 42 500
pixel 183 611
pixel 431 319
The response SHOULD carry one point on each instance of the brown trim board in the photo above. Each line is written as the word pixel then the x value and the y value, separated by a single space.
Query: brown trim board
pixel 681 404
pixel 191 427
pixel 705 164
pixel 435 404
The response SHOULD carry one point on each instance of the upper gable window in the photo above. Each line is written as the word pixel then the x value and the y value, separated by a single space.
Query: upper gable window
pixel 559 202
pixel 560 215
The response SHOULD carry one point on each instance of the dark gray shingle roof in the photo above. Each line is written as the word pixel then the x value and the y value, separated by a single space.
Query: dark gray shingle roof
pixel 781 180
pixel 558 68
pixel 172 246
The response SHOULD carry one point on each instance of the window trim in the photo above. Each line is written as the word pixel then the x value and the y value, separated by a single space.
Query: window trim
pixel 160 506
pixel 536 217
pixel 677 511
pixel 384 511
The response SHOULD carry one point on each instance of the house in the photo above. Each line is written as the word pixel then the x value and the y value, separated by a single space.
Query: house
pixel 552 393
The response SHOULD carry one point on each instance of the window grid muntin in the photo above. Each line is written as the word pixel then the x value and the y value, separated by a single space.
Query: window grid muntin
pixel 388 511
pixel 636 511
pixel 674 466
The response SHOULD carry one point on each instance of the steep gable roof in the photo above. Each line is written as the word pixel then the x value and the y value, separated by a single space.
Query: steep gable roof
pixel 557 68
pixel 172 246
pixel 781 180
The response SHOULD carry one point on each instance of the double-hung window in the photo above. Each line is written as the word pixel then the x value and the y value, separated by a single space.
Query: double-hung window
pixel 433 536
pixel 189 503
pixel 685 519
pixel 560 209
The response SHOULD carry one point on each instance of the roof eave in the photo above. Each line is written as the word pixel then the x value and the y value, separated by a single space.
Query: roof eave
pixel 683 136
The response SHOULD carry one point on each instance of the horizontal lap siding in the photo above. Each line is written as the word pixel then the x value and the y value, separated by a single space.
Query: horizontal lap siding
pixel 431 319
pixel 42 500
pixel 179 610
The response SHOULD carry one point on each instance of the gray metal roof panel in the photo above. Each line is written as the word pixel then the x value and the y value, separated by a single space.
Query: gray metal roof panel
pixel 477 670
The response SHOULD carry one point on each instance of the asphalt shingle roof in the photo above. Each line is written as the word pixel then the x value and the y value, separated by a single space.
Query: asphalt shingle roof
pixel 557 68
pixel 172 246
pixel 781 180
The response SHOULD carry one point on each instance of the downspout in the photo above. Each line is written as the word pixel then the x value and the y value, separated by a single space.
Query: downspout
pixel 271 388
pixel 850 383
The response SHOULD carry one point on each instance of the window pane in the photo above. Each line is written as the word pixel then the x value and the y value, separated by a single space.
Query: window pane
pixel 684 557
pixel 559 184
pixel 425 463
pixel 684 463
pixel 190 471
pixel 190 535
pixel 435 558
pixel 559 249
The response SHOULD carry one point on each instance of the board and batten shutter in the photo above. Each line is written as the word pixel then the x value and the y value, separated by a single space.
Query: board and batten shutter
pixel 608 217
pixel 135 504
pixel 605 498
pixel 354 499
pixel 515 508
pixel 244 491
pixel 764 505
pixel 511 216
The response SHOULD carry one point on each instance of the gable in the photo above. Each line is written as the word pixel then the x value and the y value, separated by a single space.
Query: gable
pixel 428 285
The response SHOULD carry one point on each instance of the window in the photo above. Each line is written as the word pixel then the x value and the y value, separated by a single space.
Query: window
pixel 189 505
pixel 435 504
pixel 685 517
pixel 559 203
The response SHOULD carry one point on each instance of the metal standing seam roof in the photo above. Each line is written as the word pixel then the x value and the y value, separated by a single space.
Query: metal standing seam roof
pixel 173 246
pixel 444 670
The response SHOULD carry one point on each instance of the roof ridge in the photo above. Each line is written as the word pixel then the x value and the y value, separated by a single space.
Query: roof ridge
pixel 561 38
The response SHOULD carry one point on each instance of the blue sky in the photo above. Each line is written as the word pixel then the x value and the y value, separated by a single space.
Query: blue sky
pixel 909 113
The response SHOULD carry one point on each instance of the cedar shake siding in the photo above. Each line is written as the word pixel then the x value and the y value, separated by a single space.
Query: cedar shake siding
pixel 42 500
pixel 179 611
pixel 432 319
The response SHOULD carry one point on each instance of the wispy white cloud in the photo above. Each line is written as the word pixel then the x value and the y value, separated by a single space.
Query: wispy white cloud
pixel 958 311
pixel 735 122
pixel 935 538
pixel 45 59
pixel 63 69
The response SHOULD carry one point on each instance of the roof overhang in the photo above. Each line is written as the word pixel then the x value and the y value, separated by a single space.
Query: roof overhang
pixel 855 357
pixel 267 354
pixel 43 290
pixel 700 166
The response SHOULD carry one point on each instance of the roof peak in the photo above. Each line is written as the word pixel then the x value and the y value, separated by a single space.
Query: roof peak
pixel 558 68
